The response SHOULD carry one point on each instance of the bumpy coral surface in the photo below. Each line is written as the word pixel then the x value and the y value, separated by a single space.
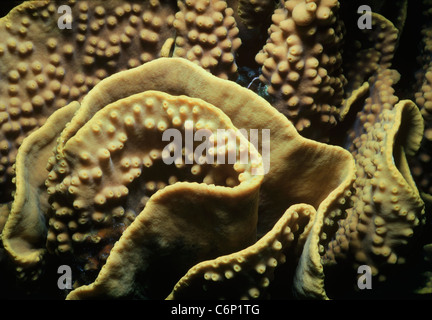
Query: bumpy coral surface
pixel 215 149
pixel 207 34
pixel 44 67
pixel 301 63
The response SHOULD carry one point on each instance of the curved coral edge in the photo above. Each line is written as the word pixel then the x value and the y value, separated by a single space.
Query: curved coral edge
pixel 126 241
pixel 38 140
pixel 25 5
pixel 306 211
pixel 309 277
pixel 415 135
pixel 162 75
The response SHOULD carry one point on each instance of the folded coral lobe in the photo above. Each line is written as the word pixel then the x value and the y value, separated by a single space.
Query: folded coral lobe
pixel 114 179
pixel 381 228
pixel 131 224
pixel 289 152
pixel 301 65
pixel 25 230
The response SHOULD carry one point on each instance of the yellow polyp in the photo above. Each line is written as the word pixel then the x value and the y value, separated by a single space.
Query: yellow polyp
pixel 260 268
pixel 229 274
pixel 100 199
pixel 272 262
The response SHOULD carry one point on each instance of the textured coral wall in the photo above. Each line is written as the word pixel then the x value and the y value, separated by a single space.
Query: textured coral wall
pixel 82 177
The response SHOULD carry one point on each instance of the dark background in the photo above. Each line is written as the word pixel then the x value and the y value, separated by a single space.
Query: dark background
pixel 7 5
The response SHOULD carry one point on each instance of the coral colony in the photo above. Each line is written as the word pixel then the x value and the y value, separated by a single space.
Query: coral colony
pixel 212 149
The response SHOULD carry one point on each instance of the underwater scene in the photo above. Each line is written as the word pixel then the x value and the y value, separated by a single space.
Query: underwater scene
pixel 216 149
